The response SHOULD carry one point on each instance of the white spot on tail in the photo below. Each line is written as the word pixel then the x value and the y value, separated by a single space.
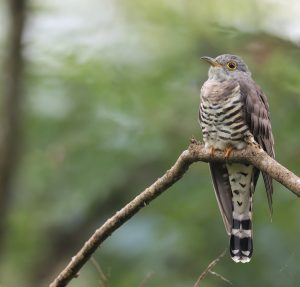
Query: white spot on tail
pixel 241 233
pixel 247 253
pixel 243 259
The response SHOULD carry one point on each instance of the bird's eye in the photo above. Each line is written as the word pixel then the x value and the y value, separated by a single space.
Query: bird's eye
pixel 231 65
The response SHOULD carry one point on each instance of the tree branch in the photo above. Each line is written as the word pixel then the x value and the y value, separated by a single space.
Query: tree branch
pixel 61 242
pixel 195 152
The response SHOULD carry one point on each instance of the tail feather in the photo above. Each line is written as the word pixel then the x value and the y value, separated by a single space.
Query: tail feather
pixel 241 244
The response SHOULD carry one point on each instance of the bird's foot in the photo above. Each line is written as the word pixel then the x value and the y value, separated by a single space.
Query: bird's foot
pixel 228 151
pixel 211 151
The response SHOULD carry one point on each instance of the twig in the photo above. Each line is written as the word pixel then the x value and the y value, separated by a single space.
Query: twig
pixel 146 279
pixel 103 278
pixel 220 276
pixel 210 266
pixel 195 152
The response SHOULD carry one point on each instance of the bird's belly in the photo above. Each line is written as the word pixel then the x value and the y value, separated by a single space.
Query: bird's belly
pixel 223 125
pixel 219 139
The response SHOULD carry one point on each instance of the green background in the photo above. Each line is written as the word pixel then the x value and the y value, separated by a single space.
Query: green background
pixel 111 99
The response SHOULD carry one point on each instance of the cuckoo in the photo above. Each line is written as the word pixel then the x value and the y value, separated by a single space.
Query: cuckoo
pixel 234 112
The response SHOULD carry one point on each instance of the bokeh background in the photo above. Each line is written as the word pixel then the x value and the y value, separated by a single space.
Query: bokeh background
pixel 110 100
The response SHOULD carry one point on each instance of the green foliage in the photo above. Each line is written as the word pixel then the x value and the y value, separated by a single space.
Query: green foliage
pixel 103 120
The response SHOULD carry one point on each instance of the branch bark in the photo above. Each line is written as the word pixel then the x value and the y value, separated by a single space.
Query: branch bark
pixel 196 152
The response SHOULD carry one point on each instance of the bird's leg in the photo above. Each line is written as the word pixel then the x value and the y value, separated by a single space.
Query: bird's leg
pixel 227 151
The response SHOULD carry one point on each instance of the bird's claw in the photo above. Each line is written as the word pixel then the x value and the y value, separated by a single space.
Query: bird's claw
pixel 212 151
pixel 228 151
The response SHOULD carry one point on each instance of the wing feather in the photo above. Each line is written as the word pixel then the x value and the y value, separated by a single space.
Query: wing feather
pixel 257 116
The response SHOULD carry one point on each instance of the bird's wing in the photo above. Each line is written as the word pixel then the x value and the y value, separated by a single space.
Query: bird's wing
pixel 223 192
pixel 257 117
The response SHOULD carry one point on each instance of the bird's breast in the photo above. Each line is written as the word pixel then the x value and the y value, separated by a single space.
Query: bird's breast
pixel 222 115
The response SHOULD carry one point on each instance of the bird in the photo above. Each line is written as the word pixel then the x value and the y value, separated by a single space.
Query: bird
pixel 233 113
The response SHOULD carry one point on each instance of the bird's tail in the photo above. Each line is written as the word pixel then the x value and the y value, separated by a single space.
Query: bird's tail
pixel 241 244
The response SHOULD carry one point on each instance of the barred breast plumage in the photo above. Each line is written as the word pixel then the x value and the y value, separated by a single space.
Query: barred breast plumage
pixel 233 109
pixel 221 113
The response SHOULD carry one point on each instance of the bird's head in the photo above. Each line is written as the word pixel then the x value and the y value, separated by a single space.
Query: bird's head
pixel 225 67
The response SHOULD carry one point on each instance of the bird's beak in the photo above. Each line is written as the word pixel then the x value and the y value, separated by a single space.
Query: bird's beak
pixel 211 61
